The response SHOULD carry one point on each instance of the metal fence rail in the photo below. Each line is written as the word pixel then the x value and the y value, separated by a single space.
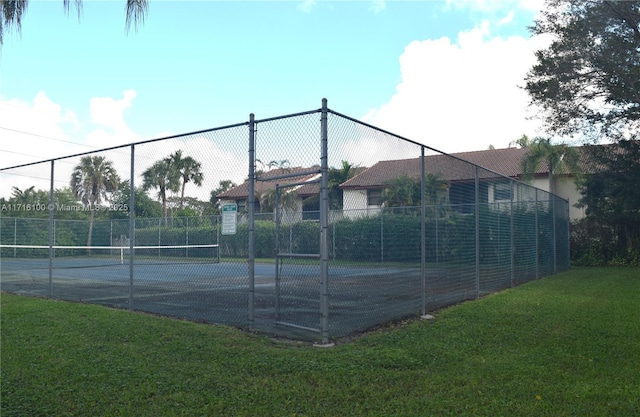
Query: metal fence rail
pixel 339 227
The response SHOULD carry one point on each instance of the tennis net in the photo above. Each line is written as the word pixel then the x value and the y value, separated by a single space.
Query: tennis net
pixel 37 256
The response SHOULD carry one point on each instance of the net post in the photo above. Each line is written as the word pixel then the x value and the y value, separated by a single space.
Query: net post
pixel 51 230
pixel 251 209
pixel 324 227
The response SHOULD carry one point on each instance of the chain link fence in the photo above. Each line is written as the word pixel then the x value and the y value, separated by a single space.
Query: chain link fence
pixel 311 226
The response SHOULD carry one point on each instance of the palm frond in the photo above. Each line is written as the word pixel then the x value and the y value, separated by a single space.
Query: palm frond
pixel 136 13
pixel 11 12
pixel 78 3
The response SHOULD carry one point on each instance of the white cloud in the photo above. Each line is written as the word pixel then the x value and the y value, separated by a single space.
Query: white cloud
pixel 42 129
pixel 108 113
pixel 32 131
pixel 307 5
pixel 507 19
pixel 494 5
pixel 378 6
pixel 462 95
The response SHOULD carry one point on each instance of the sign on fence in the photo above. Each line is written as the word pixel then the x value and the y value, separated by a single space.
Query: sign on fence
pixel 229 219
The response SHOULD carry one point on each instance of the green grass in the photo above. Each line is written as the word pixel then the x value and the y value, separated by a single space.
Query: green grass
pixel 567 345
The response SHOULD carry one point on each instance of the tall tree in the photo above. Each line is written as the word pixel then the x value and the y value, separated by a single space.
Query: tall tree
pixel 587 81
pixel 189 170
pixel 23 196
pixel 287 200
pixel 91 180
pixel 522 142
pixel 336 177
pixel 561 159
pixel 144 206
pixel 404 191
pixel 223 186
pixel 162 176
pixel 611 197
pixel 12 11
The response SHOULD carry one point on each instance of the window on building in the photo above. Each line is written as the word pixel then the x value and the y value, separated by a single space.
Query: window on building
pixel 502 192
pixel 374 197
pixel 311 208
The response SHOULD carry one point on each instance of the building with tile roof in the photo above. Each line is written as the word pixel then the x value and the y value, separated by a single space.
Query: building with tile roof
pixel 364 191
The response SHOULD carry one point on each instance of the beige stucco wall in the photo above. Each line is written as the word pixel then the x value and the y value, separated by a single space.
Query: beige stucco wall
pixel 354 204
pixel 566 188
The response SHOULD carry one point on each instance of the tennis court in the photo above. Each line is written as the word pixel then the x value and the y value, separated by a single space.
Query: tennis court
pixel 218 292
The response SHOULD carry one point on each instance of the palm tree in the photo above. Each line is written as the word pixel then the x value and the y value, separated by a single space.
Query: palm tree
pixel 11 13
pixel 23 196
pixel 336 177
pixel 522 142
pixel 287 200
pixel 560 159
pixel 91 180
pixel 162 176
pixel 188 168
pixel 404 191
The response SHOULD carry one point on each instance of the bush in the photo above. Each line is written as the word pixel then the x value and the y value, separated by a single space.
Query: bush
pixel 596 244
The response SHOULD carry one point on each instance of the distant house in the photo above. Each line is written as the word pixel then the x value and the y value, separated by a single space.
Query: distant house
pixel 303 205
pixel 364 192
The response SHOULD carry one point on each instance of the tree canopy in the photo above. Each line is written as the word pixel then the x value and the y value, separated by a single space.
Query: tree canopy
pixel 91 181
pixel 611 197
pixel 561 159
pixel 188 169
pixel 587 81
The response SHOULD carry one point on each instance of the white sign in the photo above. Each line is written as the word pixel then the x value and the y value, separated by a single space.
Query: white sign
pixel 229 219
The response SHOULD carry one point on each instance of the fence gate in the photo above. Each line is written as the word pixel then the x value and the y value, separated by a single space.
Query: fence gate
pixel 301 242
pixel 297 272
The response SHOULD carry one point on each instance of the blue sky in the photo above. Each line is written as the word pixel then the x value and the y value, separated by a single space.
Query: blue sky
pixel 444 73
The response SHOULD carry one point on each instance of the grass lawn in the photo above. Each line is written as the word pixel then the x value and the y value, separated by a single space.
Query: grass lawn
pixel 566 345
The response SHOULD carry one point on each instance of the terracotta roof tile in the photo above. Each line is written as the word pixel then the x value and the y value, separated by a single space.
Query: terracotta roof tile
pixel 305 174
pixel 503 161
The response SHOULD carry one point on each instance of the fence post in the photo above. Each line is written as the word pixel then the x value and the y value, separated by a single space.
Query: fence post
pixel 477 224
pixel 437 239
pixel 132 225
pixel 276 212
pixel 555 248
pixel 567 255
pixel 512 239
pixel 423 236
pixel 251 208
pixel 381 236
pixel 51 231
pixel 537 232
pixel 324 227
